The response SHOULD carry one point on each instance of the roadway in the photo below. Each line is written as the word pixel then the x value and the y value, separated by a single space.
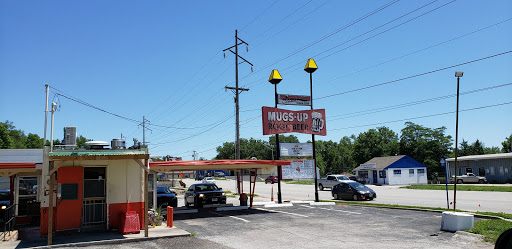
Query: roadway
pixel 466 200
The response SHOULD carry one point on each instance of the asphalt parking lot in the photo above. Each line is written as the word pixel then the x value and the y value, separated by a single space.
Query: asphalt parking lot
pixel 335 226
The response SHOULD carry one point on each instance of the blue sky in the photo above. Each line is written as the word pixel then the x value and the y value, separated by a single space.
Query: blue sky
pixel 164 60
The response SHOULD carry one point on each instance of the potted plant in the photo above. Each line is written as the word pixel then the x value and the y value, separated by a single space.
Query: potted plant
pixel 159 218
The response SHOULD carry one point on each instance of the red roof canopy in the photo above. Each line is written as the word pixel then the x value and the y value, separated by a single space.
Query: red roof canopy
pixel 163 166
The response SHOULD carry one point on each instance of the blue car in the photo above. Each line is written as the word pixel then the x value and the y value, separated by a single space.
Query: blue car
pixel 165 197
pixel 5 199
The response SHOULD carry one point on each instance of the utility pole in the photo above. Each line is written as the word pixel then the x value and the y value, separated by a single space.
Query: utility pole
pixel 236 90
pixel 144 121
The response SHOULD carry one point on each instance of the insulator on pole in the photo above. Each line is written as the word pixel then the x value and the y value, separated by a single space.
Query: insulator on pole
pixel 247 47
pixel 224 54
pixel 252 70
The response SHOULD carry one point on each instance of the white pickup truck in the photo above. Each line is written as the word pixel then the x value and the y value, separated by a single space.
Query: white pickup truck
pixel 469 178
pixel 332 180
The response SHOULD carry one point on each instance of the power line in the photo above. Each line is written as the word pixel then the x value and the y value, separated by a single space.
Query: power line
pixel 426 116
pixel 403 105
pixel 328 35
pixel 298 63
pixel 413 76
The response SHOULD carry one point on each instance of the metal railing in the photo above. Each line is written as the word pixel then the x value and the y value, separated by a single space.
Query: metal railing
pixel 93 212
pixel 9 220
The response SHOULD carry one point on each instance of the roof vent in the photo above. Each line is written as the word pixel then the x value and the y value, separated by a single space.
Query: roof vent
pixel 118 144
pixel 96 145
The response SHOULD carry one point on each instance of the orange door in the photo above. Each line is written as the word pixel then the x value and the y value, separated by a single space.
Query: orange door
pixel 69 198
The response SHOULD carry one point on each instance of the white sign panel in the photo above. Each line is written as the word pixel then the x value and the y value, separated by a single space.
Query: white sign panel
pixel 299 169
pixel 368 166
pixel 296 149
pixel 291 99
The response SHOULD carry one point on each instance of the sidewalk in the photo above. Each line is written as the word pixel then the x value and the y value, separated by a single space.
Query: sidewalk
pixel 99 238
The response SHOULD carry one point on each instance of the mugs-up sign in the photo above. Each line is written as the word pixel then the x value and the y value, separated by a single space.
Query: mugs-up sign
pixel 278 121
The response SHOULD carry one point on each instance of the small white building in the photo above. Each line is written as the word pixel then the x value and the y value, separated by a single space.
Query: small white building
pixel 393 170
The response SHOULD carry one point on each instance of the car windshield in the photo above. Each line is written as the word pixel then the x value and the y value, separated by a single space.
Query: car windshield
pixel 209 178
pixel 206 187
pixel 342 178
pixel 356 185
pixel 4 196
pixel 163 190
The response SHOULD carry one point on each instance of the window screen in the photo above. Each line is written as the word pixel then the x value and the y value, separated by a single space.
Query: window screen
pixel 69 191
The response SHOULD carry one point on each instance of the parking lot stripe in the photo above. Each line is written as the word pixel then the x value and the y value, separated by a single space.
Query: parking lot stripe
pixel 306 206
pixel 340 211
pixel 230 216
pixel 276 211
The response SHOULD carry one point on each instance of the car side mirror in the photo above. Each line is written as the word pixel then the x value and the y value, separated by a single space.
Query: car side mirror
pixel 220 188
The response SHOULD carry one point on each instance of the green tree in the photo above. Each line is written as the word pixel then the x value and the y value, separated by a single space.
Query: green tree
pixel 5 139
pixel 492 150
pixel 34 142
pixel 465 148
pixel 507 145
pixel 477 148
pixel 425 145
pixel 17 137
pixel 81 140
pixel 375 143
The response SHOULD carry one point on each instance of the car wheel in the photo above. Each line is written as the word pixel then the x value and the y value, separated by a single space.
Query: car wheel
pixel 336 197
pixel 321 187
pixel 266 182
pixel 355 197
pixel 481 181
pixel 460 181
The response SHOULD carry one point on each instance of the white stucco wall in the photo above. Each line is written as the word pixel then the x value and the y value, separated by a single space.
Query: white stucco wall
pixel 405 178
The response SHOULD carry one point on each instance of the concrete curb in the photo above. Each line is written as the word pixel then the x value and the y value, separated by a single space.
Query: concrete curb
pixel 279 205
pixel 111 242
pixel 482 216
pixel 322 203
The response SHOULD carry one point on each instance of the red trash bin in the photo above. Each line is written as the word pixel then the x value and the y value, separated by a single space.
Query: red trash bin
pixel 130 223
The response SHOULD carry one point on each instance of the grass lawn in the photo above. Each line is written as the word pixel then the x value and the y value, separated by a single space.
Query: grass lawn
pixel 462 188
pixel 491 229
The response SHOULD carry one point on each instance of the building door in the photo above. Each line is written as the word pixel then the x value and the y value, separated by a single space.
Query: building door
pixel 69 198
pixel 94 201
pixel 375 177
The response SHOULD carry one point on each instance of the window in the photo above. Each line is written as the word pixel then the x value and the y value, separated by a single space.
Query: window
pixel 421 171
pixel 492 171
pixel 382 174
pixel 27 199
pixel 363 174
pixel 501 170
pixel 397 172
pixel 481 171
pixel 469 170
pixel 411 172
pixel 332 178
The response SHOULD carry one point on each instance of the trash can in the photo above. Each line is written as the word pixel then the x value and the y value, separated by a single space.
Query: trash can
pixel 243 199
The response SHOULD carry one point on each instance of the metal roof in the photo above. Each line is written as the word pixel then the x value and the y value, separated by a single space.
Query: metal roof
pixel 481 157
pixel 382 162
pixel 21 156
pixel 98 154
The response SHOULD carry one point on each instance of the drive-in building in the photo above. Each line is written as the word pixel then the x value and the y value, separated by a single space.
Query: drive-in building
pixel 393 170
pixel 497 168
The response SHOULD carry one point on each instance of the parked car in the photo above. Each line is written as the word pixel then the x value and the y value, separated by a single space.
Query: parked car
pixel 199 177
pixel 352 191
pixel 469 178
pixel 331 180
pixel 219 174
pixel 358 179
pixel 271 179
pixel 204 193
pixel 208 180
pixel 165 197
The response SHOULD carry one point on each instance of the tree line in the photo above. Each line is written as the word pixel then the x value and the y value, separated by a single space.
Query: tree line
pixel 425 145
pixel 12 138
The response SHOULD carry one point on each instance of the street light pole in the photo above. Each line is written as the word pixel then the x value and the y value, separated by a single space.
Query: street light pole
pixel 274 79
pixel 458 74
pixel 311 67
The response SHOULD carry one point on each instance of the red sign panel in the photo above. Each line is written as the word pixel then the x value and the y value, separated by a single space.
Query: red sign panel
pixel 277 121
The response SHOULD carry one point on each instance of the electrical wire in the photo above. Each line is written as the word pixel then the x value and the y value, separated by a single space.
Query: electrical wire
pixel 413 76
pixel 420 117
pixel 403 105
